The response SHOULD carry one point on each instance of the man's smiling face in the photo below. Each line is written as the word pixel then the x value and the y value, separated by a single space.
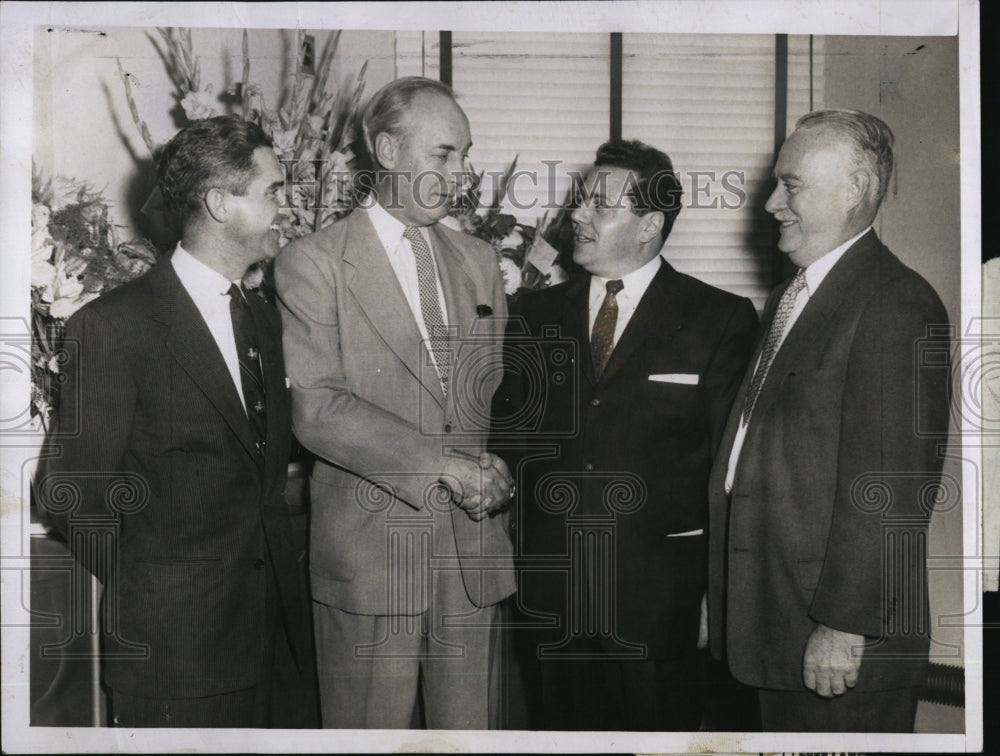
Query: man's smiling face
pixel 812 198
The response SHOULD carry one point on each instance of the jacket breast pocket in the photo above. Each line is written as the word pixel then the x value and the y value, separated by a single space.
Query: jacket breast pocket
pixel 675 395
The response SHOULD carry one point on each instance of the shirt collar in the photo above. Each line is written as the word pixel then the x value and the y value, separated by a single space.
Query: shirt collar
pixel 198 278
pixel 388 228
pixel 816 272
pixel 634 284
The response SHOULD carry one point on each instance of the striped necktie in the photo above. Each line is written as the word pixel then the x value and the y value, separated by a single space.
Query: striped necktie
pixel 602 338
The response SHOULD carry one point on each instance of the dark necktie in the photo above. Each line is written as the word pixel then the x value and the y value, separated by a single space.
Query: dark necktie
pixel 602 338
pixel 430 304
pixel 774 336
pixel 248 353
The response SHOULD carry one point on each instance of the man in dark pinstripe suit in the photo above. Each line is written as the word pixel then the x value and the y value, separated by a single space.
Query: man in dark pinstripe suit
pixel 172 440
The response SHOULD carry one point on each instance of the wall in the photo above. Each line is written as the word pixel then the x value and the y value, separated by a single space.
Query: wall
pixel 82 125
pixel 912 84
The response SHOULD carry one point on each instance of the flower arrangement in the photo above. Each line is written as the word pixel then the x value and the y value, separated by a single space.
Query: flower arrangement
pixel 529 256
pixel 76 254
pixel 311 130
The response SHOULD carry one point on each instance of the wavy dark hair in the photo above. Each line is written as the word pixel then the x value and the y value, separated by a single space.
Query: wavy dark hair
pixel 213 153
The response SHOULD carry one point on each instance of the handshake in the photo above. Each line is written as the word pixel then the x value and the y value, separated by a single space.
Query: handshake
pixel 479 485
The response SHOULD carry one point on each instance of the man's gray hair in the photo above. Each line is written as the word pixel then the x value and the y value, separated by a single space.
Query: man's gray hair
pixel 386 109
pixel 868 136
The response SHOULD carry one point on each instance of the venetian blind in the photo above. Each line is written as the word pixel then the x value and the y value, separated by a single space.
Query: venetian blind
pixel 708 101
pixel 540 97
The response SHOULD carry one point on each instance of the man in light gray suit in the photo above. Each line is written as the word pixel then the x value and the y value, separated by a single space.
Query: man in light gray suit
pixel 392 329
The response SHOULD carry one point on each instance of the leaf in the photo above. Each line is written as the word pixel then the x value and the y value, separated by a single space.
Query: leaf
pixel 323 69
pixel 245 82
pixel 503 224
pixel 134 110
pixel 502 185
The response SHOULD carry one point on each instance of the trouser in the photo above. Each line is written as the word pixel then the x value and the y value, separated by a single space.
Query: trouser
pixel 854 711
pixel 372 668
pixel 596 693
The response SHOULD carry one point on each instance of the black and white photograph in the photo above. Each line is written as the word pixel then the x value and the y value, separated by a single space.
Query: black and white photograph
pixel 497 377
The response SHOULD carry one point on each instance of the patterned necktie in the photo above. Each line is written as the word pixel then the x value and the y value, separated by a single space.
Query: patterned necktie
pixel 774 337
pixel 251 375
pixel 602 338
pixel 430 304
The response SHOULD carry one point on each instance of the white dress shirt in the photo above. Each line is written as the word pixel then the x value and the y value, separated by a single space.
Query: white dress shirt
pixel 815 273
pixel 635 285
pixel 390 232
pixel 210 291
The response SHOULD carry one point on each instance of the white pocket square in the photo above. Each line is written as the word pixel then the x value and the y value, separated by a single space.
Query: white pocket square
pixel 699 531
pixel 688 379
pixel 288 382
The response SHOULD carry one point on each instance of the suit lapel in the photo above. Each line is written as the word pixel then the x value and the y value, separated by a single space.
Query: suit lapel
pixel 721 467
pixel 576 323
pixel 810 332
pixel 377 291
pixel 659 312
pixel 191 344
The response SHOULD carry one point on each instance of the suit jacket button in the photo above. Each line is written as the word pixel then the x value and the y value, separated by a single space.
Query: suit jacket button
pixel 588 466
pixel 447 428
pixel 259 564
pixel 595 402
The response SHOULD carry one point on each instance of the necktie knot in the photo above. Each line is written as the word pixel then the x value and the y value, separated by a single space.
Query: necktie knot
pixel 412 234
pixel 799 282
pixel 613 287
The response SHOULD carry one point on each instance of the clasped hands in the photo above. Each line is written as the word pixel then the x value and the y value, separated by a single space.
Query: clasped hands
pixel 478 485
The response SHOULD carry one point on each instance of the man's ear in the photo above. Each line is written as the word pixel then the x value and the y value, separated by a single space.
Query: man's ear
pixel 652 224
pixel 215 205
pixel 859 185
pixel 386 149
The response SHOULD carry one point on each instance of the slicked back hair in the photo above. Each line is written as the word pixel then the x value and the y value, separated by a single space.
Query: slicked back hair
pixel 387 107
pixel 656 187
pixel 870 139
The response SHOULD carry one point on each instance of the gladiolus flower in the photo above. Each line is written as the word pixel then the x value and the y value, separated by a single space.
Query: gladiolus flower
pixel 199 105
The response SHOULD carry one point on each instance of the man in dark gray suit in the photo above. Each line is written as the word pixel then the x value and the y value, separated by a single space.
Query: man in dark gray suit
pixel 172 441
pixel 824 482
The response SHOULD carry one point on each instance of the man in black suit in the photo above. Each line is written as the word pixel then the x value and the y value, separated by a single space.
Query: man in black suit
pixel 614 444
pixel 172 446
